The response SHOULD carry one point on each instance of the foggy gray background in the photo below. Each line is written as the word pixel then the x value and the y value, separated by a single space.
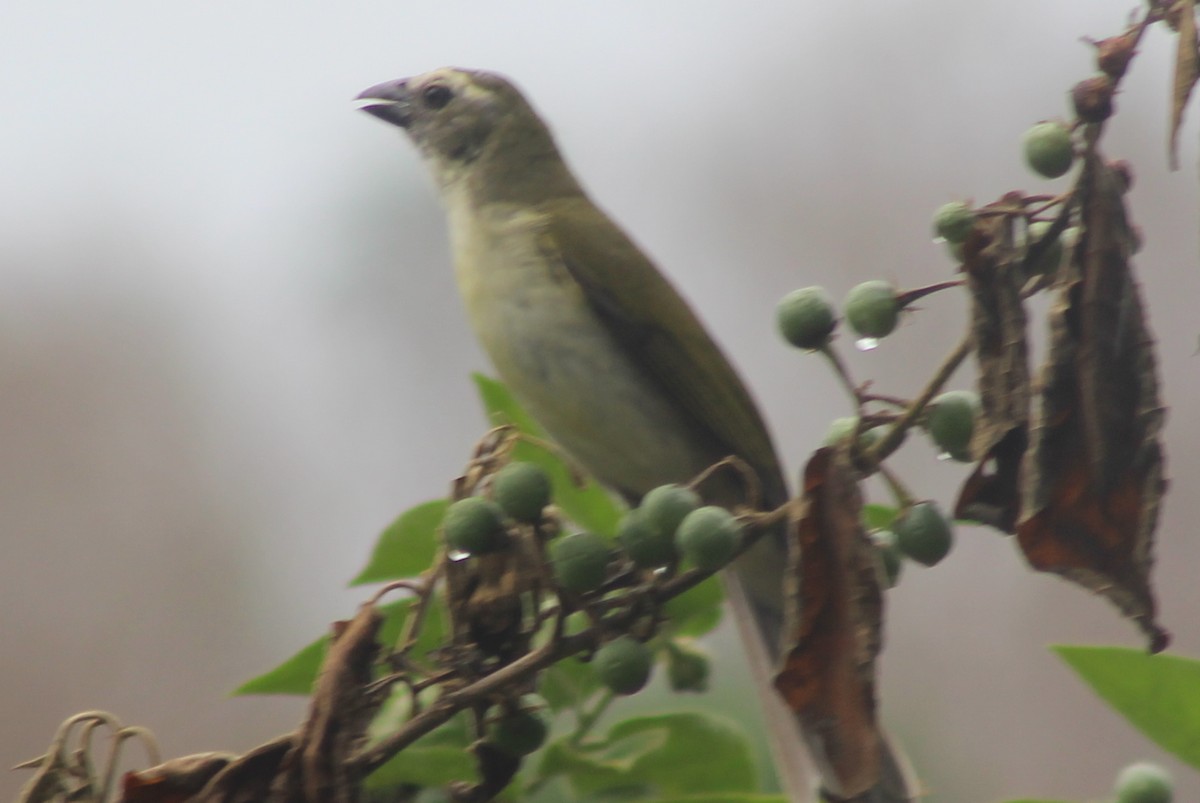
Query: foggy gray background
pixel 231 350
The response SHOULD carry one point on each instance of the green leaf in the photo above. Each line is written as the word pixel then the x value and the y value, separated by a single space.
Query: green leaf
pixel 696 752
pixel 878 517
pixel 589 505
pixel 697 610
pixel 568 684
pixel 407 547
pixel 502 408
pixel 670 755
pixel 587 771
pixel 433 760
pixel 297 674
pixel 433 627
pixel 1158 694
pixel 293 676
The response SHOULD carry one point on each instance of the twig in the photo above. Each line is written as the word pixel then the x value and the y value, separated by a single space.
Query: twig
pixel 842 373
pixel 588 719
pixel 891 438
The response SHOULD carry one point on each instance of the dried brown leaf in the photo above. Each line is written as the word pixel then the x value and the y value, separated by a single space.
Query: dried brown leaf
pixel 1093 477
pixel 1187 71
pixel 173 781
pixel 249 778
pixel 833 632
pixel 316 766
pixel 485 597
pixel 994 274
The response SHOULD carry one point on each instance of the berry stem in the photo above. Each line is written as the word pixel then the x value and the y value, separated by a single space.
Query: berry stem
pixel 909 296
pixel 843 374
pixel 891 437
pixel 588 718
pixel 900 492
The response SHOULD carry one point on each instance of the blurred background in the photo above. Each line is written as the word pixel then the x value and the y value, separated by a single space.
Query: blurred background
pixel 231 349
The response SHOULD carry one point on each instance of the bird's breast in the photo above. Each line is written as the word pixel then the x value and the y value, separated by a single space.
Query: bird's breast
pixel 546 343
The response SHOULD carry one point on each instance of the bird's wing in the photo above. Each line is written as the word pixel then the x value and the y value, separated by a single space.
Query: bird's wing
pixel 658 331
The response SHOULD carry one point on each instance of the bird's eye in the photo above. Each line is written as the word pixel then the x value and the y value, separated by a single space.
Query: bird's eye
pixel 436 96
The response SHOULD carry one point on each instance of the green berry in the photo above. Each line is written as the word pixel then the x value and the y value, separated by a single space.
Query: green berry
pixel 474 525
pixel 956 252
pixel 522 490
pixel 1052 256
pixel 623 665
pixel 923 533
pixel 665 506
pixel 519 733
pixel 1144 783
pixel 840 429
pixel 806 317
pixel 889 555
pixel 708 537
pixel 687 668
pixel 580 562
pixel 649 547
pixel 950 421
pixel 1048 149
pixel 953 221
pixel 872 308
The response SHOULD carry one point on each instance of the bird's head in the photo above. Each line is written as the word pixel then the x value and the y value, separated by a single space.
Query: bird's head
pixel 451 114
pixel 476 124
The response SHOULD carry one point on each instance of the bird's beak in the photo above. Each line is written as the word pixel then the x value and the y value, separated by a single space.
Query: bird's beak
pixel 390 101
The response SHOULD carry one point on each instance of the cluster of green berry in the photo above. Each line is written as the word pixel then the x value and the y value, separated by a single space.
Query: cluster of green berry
pixel 952 222
pixel 477 525
pixel 920 532
pixel 671 527
pixel 670 523
pixel 807 317
pixel 1050 151
pixel 949 420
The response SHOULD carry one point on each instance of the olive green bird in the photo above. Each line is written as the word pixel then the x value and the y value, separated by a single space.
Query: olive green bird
pixel 597 344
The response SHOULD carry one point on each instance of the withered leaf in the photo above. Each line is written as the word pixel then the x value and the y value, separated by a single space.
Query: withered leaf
pixel 173 781
pixel 991 495
pixel 833 630
pixel 1093 476
pixel 1187 71
pixel 316 766
pixel 486 598
pixel 249 777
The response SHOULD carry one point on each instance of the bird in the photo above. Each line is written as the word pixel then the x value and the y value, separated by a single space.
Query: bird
pixel 598 345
